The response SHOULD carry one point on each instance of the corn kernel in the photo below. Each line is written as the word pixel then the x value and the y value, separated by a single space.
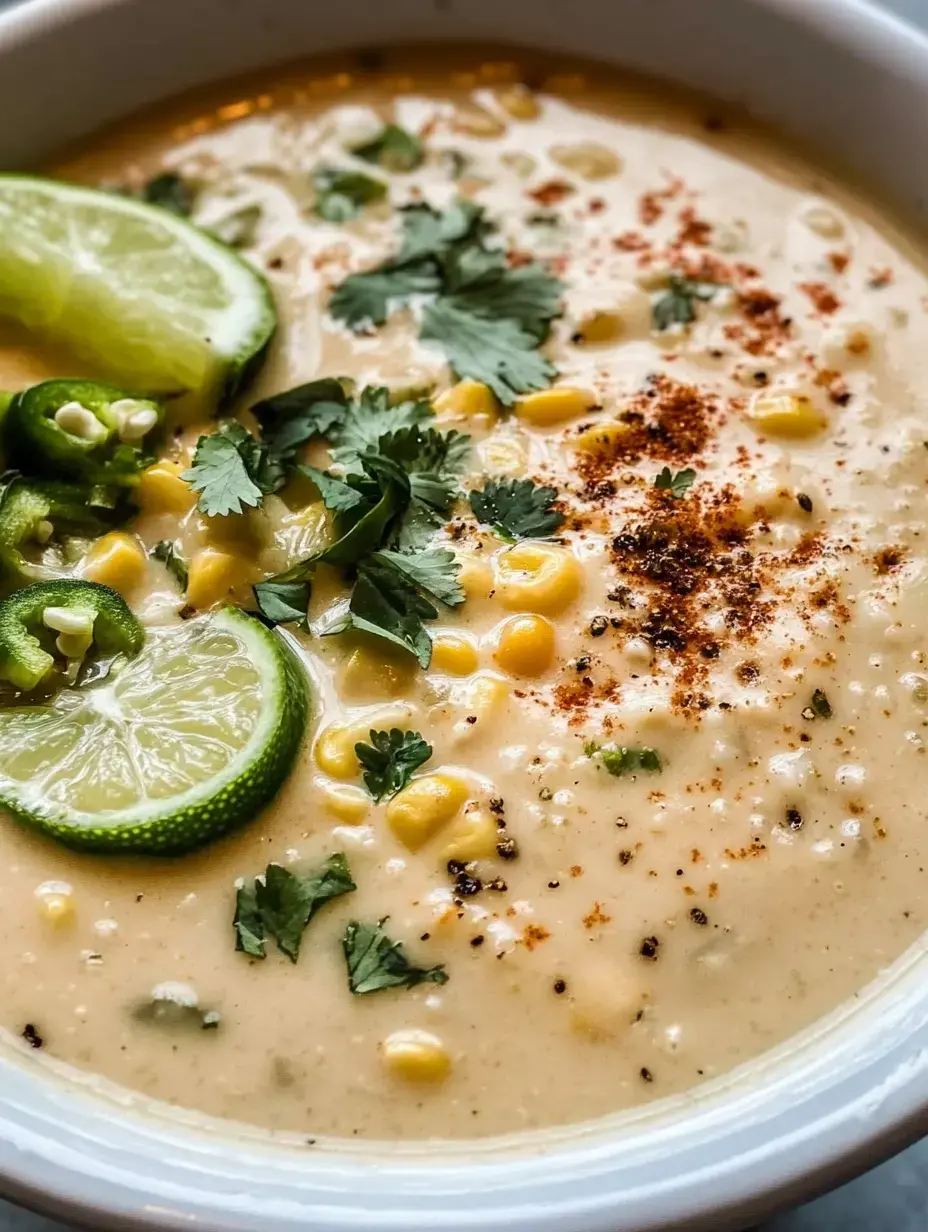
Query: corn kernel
pixel 588 159
pixel 467 399
pixel 475 121
pixel 345 803
pixel 503 456
pixel 115 560
pixel 790 415
pixel 537 577
pixel 55 901
pixel 602 440
pixel 553 406
pixel 453 654
pixel 484 697
pixel 603 1004
pixel 416 1056
pixel 161 489
pixel 823 222
pixel 334 751
pixel 368 673
pixel 423 807
pixel 211 576
pixel 474 837
pixel 525 645
pixel 519 102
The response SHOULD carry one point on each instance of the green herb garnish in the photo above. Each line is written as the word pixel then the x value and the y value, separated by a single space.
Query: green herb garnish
pixel 342 195
pixel 282 602
pixel 677 483
pixel 170 556
pixel 232 469
pixel 375 962
pixel 292 418
pixel 676 305
pixel 487 317
pixel 622 761
pixel 516 509
pixel 171 192
pixel 281 904
pixel 394 148
pixel 390 760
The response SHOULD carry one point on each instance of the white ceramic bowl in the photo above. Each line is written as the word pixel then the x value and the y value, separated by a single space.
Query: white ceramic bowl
pixel 834 73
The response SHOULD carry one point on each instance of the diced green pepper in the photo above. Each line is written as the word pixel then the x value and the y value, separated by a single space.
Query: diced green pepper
pixel 83 430
pixel 31 511
pixel 25 631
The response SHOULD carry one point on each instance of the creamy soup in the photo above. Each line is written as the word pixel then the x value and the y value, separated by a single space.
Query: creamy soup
pixel 672 810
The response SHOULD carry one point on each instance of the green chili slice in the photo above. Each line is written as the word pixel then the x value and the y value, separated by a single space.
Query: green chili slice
pixel 83 430
pixel 34 511
pixel 34 621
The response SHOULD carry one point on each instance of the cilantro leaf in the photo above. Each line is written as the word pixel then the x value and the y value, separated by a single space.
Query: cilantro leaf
pixel 487 287
pixel 171 192
pixel 394 148
pixel 433 461
pixel 435 572
pixel 499 353
pixel 336 495
pixel 676 306
pixel 386 604
pixel 375 962
pixel 231 469
pixel 621 761
pixel 170 556
pixel 281 904
pixel 516 509
pixel 341 195
pixel 677 484
pixel 370 418
pixel 390 760
pixel 281 602
pixel 364 300
pixel 291 418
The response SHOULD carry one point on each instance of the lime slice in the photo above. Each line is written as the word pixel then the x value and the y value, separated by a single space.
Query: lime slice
pixel 148 299
pixel 188 740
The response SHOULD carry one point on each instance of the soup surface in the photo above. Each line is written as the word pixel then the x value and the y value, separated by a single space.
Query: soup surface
pixel 673 808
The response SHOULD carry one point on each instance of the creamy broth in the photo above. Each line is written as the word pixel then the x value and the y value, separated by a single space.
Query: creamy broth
pixel 762 632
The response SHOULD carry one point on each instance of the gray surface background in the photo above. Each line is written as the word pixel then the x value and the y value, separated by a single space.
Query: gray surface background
pixel 891 1198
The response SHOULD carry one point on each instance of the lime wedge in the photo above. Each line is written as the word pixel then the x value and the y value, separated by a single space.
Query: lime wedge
pixel 148 299
pixel 189 739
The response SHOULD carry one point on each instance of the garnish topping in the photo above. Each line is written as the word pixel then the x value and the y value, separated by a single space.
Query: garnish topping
pixel 677 304
pixel 281 904
pixel 676 483
pixel 342 195
pixel 375 962
pixel 170 556
pixel 390 760
pixel 622 761
pixel 394 148
pixel 232 469
pixel 516 509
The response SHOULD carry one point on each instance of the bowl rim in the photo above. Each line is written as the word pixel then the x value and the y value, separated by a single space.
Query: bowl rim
pixel 66 1152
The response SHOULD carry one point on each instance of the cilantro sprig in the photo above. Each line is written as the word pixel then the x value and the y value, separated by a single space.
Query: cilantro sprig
pixel 677 304
pixel 394 148
pixel 677 483
pixel 390 760
pixel 375 962
pixel 281 904
pixel 516 508
pixel 231 469
pixel 487 317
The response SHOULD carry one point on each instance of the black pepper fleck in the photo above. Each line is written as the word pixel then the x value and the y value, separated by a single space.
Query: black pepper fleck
pixel 794 819
pixel 31 1036
pixel 698 916
pixel 649 948
pixel 560 986
pixel 804 502
pixel 598 626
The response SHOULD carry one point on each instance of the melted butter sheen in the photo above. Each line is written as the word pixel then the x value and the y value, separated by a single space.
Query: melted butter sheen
pixel 655 929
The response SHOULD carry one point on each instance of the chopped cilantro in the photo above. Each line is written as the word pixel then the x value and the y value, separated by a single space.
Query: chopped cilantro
pixel 390 760
pixel 821 705
pixel 621 761
pixel 281 904
pixel 239 228
pixel 170 556
pixel 488 318
pixel 435 572
pixel 282 602
pixel 675 305
pixel 171 192
pixel 375 962
pixel 341 195
pixel 386 604
pixel 516 508
pixel 291 418
pixel 232 469
pixel 678 483
pixel 371 417
pixel 394 148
